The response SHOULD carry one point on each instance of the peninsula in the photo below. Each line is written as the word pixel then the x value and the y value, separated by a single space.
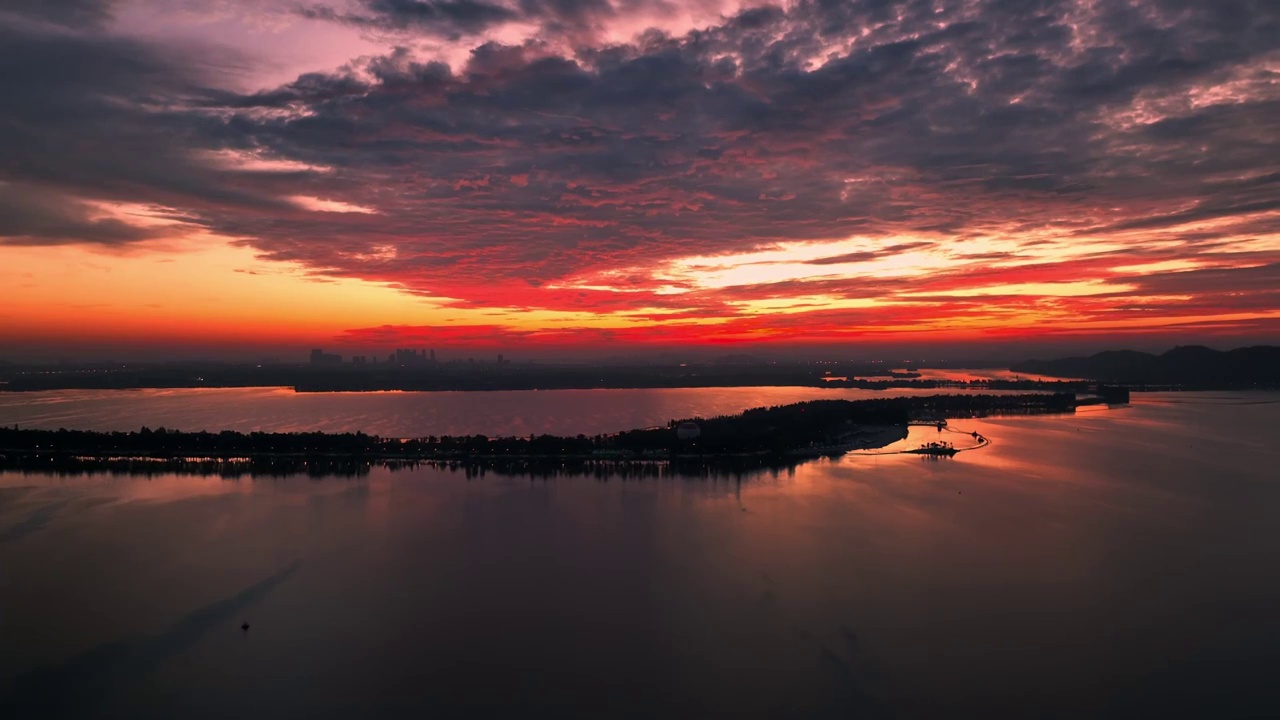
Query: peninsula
pixel 767 436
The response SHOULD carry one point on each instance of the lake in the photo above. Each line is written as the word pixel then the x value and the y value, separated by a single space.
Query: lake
pixel 400 414
pixel 1118 562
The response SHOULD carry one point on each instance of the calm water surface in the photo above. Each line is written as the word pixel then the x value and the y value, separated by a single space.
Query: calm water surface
pixel 1114 563
pixel 399 414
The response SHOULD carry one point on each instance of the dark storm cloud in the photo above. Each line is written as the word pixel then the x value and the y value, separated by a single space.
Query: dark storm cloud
pixel 70 13
pixel 456 18
pixel 91 117
pixel 769 128
pixel 30 216
pixel 527 166
pixel 1207 282
pixel 440 17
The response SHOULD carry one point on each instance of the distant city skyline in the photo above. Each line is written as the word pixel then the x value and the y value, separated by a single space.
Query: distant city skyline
pixel 184 179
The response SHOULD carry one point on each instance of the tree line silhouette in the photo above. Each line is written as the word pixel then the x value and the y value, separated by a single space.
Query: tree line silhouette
pixel 776 431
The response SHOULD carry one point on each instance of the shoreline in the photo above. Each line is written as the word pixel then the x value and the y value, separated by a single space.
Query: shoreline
pixel 760 437
pixel 883 437
pixel 316 466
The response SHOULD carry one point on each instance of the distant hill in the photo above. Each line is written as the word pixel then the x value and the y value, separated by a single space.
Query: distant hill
pixel 1192 366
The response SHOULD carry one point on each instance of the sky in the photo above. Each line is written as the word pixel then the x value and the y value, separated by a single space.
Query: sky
pixel 258 177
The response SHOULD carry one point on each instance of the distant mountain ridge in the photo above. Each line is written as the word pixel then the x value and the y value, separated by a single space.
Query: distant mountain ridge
pixel 1192 366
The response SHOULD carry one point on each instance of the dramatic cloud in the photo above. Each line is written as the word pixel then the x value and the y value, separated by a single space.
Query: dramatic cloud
pixel 29 217
pixel 445 17
pixel 73 13
pixel 818 170
pixel 457 19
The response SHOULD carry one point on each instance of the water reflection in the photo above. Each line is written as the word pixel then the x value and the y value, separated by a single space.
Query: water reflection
pixel 743 467
pixel 1107 564
pixel 80 684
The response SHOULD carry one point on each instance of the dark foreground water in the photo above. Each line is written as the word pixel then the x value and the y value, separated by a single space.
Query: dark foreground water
pixel 1115 563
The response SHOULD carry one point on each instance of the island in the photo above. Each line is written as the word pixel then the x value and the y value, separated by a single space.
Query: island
pixel 777 436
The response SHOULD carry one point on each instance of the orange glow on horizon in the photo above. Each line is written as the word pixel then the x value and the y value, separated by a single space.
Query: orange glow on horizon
pixel 624 175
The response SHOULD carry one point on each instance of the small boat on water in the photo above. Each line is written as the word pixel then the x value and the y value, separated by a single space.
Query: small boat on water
pixel 935 449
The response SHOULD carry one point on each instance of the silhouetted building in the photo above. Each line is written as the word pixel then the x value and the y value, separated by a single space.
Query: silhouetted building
pixel 320 357
pixel 413 358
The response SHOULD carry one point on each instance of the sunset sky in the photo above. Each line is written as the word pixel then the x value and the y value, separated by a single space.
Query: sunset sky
pixel 241 177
